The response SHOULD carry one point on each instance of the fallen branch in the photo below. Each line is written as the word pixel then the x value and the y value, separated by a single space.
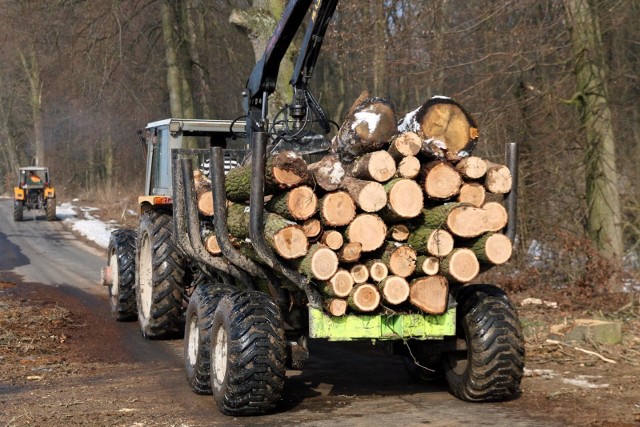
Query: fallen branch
pixel 593 353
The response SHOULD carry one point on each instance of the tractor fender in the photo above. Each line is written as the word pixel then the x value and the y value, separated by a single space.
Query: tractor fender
pixel 18 193
pixel 49 192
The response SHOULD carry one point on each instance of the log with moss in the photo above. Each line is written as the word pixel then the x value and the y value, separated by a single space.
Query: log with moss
pixel 405 200
pixel 297 204
pixel 364 298
pixel 320 263
pixel 285 237
pixel 367 229
pixel 460 266
pixel 285 169
pixel 394 290
pixel 427 265
pixel 439 180
pixel 378 270
pixel 400 258
pixel 340 285
pixel 491 248
pixel 370 196
pixel 430 294
pixel 337 209
pixel 460 219
pixel 432 241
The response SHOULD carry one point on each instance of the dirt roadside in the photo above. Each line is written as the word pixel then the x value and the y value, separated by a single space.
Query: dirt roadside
pixel 63 364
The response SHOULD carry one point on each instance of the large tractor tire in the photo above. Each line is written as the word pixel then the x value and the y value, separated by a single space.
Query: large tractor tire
pixel 51 209
pixel 122 261
pixel 18 210
pixel 248 354
pixel 197 334
pixel 492 366
pixel 159 277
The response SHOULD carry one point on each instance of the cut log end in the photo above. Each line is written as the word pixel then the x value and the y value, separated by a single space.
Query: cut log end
pixel 360 273
pixel 350 252
pixel 428 265
pixel 302 202
pixel 336 307
pixel 378 166
pixel 406 199
pixel 333 239
pixel 497 216
pixel 472 167
pixel 498 179
pixel 401 260
pixel 290 242
pixel 395 290
pixel 337 209
pixel 409 167
pixel 205 203
pixel 364 297
pixel 369 230
pixel 404 145
pixel 440 243
pixel 312 228
pixel 378 270
pixel 461 265
pixel 472 193
pixel 430 294
pixel 498 249
pixel 399 233
pixel 341 284
pixel 440 180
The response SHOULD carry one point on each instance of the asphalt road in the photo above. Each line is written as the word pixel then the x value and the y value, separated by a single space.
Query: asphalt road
pixel 352 384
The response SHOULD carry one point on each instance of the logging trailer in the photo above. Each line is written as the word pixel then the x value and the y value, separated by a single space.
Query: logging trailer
pixel 246 314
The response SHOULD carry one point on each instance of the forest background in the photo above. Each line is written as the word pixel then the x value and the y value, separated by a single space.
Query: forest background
pixel 79 78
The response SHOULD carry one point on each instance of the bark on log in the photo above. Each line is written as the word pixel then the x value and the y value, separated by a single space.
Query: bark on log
pixel 440 180
pixel 472 167
pixel 367 229
pixel 430 294
pixel 409 167
pixel 394 289
pixel 360 273
pixel 299 203
pixel 497 179
pixel 350 252
pixel 405 200
pixel 368 128
pixel 491 248
pixel 427 265
pixel 472 193
pixel 376 166
pixel 319 263
pixel 336 307
pixel 432 241
pixel 340 285
pixel 284 236
pixel 447 130
pixel 378 270
pixel 370 196
pixel 461 220
pixel 337 209
pixel 398 233
pixel 461 266
pixel 364 297
pixel 312 228
pixel 332 239
pixel 285 169
pixel 497 216
pixel 401 259
pixel 405 144
pixel 327 173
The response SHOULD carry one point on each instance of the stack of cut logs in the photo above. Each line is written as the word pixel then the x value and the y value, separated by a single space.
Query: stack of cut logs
pixel 396 213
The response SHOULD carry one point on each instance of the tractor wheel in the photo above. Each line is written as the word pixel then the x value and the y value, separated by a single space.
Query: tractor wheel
pixel 51 209
pixel 18 210
pixel 122 260
pixel 159 277
pixel 248 354
pixel 492 366
pixel 197 334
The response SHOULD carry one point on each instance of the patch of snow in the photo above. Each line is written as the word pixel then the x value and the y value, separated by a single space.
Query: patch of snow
pixel 440 97
pixel 372 120
pixel 408 123
pixel 335 172
pixel 90 227
pixel 462 154
pixel 437 142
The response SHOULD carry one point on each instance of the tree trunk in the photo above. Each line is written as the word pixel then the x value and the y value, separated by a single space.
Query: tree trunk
pixel 31 68
pixel 604 216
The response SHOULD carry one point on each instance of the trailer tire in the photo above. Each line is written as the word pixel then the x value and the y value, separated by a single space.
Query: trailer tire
pixel 159 277
pixel 18 210
pixel 51 209
pixel 122 260
pixel 492 366
pixel 248 354
pixel 197 334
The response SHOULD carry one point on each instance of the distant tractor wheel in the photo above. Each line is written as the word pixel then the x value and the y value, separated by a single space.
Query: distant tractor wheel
pixel 491 367
pixel 159 278
pixel 18 210
pixel 51 209
pixel 248 354
pixel 197 334
pixel 122 262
